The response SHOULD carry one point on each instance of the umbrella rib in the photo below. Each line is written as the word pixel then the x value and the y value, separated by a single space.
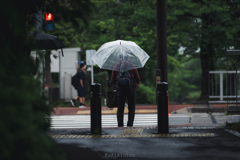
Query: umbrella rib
pixel 109 54
pixel 134 55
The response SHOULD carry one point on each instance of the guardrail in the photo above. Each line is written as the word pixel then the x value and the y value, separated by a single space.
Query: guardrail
pixel 224 85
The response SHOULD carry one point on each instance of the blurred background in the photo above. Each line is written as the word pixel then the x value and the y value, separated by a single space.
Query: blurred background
pixel 199 32
pixel 198 36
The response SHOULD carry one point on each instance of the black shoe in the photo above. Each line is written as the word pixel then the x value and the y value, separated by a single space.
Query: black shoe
pixel 129 125
pixel 120 125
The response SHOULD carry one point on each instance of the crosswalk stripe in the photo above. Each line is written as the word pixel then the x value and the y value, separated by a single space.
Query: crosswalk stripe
pixel 84 121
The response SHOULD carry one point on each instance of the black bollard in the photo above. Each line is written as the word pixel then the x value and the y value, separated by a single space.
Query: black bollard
pixel 163 126
pixel 96 115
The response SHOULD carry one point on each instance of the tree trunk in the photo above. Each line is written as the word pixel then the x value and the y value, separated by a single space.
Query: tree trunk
pixel 48 75
pixel 207 64
pixel 206 57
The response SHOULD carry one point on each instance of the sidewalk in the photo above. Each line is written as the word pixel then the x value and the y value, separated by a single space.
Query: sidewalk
pixel 191 136
pixel 203 138
pixel 142 109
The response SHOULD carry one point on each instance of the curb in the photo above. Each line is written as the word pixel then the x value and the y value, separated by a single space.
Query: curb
pixel 207 110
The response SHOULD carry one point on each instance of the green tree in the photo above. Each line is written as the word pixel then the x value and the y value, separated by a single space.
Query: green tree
pixel 206 25
pixel 184 82
pixel 110 21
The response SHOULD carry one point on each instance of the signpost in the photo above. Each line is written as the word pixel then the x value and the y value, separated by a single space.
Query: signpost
pixel 89 54
pixel 39 21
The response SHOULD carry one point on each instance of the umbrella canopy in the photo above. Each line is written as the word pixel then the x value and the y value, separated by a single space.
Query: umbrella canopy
pixel 120 55
pixel 46 41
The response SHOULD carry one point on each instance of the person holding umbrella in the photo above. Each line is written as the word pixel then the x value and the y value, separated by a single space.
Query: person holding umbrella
pixel 123 58
pixel 126 93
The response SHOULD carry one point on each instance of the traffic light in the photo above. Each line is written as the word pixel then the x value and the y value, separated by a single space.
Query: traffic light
pixel 49 22
pixel 49 17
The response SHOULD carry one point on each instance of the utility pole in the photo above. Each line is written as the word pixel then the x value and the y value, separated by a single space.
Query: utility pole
pixel 162 38
pixel 161 72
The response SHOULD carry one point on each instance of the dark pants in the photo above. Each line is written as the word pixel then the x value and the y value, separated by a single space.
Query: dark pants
pixel 131 98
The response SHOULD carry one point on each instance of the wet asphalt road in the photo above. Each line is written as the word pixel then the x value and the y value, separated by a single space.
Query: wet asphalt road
pixel 223 146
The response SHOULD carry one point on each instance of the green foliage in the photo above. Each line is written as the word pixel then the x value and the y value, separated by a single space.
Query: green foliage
pixel 184 82
pixel 24 116
pixel 234 126
pixel 23 112
pixel 193 95
pixel 110 21
pixel 173 63
pixel 23 127
pixel 55 77
pixel 206 25
pixel 145 95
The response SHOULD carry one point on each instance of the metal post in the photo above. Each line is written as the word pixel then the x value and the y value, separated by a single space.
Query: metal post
pixel 92 74
pixel 221 86
pixel 230 84
pixel 212 85
pixel 227 85
pixel 96 117
pixel 215 77
pixel 236 84
pixel 208 83
pixel 162 38
pixel 163 125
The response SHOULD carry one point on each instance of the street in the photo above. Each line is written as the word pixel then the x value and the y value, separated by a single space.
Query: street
pixel 191 136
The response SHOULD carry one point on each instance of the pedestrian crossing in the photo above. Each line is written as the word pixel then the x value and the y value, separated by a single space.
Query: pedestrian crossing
pixel 108 121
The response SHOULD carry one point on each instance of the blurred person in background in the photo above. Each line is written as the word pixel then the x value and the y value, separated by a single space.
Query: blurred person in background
pixel 80 85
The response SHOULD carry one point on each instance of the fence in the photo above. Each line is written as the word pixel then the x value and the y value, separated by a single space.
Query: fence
pixel 224 85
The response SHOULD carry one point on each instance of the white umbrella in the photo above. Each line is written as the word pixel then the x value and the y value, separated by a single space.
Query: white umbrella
pixel 120 56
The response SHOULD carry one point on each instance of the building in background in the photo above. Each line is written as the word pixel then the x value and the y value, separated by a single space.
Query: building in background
pixel 65 66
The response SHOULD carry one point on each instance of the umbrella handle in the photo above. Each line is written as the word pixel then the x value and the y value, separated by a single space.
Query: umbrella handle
pixel 62 52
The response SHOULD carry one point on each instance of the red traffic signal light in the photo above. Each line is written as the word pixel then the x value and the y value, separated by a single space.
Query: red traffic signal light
pixel 49 17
